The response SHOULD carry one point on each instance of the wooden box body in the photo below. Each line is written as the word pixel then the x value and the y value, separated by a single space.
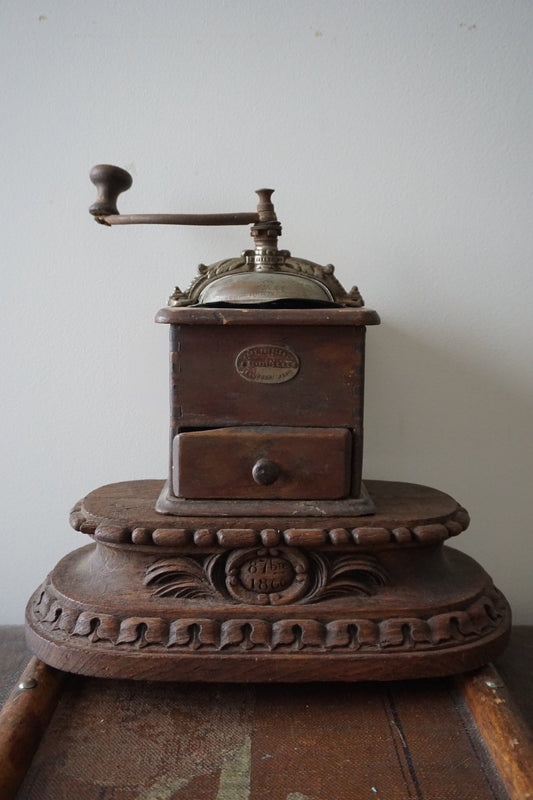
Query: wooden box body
pixel 266 386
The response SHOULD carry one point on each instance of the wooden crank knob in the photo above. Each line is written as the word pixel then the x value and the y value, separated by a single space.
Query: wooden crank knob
pixel 110 182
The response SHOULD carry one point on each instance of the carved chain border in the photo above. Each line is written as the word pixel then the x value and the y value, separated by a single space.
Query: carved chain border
pixel 116 533
pixel 453 628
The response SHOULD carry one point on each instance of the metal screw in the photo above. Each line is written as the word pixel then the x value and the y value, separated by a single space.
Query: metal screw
pixel 29 683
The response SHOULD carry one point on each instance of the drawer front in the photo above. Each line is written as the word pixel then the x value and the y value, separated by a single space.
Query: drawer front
pixel 262 463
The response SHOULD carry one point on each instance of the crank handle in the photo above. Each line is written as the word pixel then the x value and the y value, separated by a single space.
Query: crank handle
pixel 111 181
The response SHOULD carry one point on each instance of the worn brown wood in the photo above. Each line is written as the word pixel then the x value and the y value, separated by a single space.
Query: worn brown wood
pixel 23 721
pixel 268 599
pixel 406 514
pixel 515 665
pixel 409 741
pixel 208 391
pixel 263 462
pixel 262 367
pixel 273 317
pixel 508 738
pixel 110 181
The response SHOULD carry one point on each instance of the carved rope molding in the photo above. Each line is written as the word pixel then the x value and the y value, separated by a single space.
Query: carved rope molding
pixel 451 629
pixel 115 533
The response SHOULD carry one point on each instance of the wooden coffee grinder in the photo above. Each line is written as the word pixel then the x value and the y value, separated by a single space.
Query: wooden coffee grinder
pixel 264 557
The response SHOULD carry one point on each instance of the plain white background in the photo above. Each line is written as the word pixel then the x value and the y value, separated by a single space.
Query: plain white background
pixel 397 134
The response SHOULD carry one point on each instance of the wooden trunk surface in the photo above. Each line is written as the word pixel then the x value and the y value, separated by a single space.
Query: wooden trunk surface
pixel 114 740
pixel 417 740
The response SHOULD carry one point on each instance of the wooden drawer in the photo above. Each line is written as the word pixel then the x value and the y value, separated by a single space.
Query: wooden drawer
pixel 262 463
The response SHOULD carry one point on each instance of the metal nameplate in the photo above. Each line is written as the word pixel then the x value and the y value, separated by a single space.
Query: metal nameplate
pixel 267 363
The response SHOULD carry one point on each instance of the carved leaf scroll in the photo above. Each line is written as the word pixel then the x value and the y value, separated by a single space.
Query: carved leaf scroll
pixel 183 577
pixel 346 575
pixel 286 576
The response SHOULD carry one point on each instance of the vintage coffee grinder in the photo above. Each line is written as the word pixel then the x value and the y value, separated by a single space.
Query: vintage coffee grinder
pixel 264 556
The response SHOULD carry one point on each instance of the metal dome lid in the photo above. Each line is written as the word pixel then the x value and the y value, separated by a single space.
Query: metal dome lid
pixel 294 281
pixel 266 276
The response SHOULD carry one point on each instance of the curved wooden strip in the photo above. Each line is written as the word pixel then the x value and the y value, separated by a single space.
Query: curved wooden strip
pixel 507 737
pixel 23 721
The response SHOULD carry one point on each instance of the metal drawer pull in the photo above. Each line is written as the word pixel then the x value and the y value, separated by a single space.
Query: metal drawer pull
pixel 265 472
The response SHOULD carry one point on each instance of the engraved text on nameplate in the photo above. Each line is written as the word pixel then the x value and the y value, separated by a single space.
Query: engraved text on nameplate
pixel 267 363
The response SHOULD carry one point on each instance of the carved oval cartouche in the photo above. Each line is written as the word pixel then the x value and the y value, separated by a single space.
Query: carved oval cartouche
pixel 267 576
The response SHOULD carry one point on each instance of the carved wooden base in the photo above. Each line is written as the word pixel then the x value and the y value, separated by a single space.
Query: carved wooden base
pixel 246 602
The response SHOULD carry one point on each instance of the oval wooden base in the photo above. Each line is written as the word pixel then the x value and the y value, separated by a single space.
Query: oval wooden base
pixel 382 601
pixel 288 665
pixel 267 668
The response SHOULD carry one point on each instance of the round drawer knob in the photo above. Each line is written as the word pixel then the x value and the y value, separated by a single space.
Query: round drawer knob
pixel 265 472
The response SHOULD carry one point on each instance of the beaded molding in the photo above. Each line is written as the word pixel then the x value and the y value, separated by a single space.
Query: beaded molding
pixel 114 533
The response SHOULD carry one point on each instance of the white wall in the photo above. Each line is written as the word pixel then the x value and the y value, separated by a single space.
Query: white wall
pixel 398 136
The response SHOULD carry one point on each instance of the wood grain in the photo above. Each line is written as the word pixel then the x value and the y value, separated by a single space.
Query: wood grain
pixel 23 721
pixel 508 738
